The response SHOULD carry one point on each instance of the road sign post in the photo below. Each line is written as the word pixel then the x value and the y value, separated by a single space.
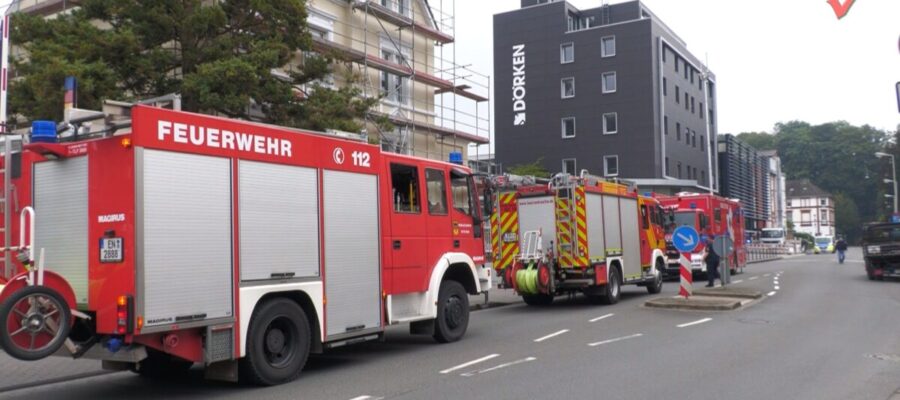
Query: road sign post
pixel 685 239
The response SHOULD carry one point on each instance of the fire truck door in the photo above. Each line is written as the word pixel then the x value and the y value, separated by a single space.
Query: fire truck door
pixel 467 234
pixel 647 237
pixel 408 227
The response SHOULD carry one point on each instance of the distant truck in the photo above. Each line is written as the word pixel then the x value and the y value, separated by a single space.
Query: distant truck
pixel 772 236
pixel 881 250
pixel 712 216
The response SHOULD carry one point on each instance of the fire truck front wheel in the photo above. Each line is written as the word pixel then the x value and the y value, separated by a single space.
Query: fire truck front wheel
pixel 452 313
pixel 36 322
pixel 278 343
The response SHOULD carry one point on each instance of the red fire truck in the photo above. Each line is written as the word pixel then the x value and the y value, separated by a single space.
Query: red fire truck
pixel 194 239
pixel 577 234
pixel 713 217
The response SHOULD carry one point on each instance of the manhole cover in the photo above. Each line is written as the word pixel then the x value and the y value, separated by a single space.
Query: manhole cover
pixel 885 357
pixel 756 321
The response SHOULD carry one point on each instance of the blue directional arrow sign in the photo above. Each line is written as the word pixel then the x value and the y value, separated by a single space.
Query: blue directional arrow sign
pixel 685 238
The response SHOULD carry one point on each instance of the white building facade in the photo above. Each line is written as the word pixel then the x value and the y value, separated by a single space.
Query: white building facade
pixel 810 208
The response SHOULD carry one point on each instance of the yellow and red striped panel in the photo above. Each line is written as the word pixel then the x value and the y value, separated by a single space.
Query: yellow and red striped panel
pixel 581 253
pixel 508 222
pixel 564 233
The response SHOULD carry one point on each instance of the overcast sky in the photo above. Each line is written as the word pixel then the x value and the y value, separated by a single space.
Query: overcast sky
pixel 774 60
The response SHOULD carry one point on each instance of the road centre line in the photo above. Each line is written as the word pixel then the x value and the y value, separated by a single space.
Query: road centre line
pixel 557 333
pixel 636 335
pixel 698 322
pixel 772 293
pixel 777 287
pixel 366 398
pixel 494 368
pixel 601 317
pixel 754 278
pixel 470 363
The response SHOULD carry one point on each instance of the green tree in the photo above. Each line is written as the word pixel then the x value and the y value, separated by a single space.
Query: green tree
pixel 535 169
pixel 759 140
pixel 846 216
pixel 222 57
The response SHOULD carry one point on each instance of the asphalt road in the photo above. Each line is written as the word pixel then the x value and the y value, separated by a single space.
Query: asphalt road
pixel 822 332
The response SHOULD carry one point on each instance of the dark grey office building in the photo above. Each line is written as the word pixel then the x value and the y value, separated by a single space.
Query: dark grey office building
pixel 609 89
pixel 744 176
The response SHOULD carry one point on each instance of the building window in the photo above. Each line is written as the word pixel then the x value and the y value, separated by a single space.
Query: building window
pixel 399 6
pixel 677 95
pixel 395 88
pixel 678 131
pixel 701 110
pixel 608 46
pixel 667 166
pixel 568 127
pixel 687 135
pixel 609 82
pixel 679 170
pixel 567 53
pixel 665 87
pixel 664 55
pixel 702 144
pixel 666 125
pixel 702 177
pixel 676 63
pixel 610 123
pixel 823 202
pixel 686 68
pixel 568 166
pixel 567 88
pixel 692 76
pixel 693 139
pixel 686 105
pixel 823 217
pixel 692 105
pixel 611 166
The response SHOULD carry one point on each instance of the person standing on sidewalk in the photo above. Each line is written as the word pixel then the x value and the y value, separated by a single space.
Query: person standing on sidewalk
pixel 712 263
pixel 841 247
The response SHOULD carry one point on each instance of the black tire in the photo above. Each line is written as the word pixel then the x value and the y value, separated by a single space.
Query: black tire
pixel 655 286
pixel 538 300
pixel 452 313
pixel 613 288
pixel 43 304
pixel 161 365
pixel 278 344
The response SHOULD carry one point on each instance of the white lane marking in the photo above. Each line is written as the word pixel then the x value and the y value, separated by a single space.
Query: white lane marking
pixel 777 287
pixel 698 322
pixel 737 281
pixel 494 368
pixel 752 278
pixel 767 275
pixel 601 317
pixel 557 333
pixel 772 293
pixel 636 335
pixel 470 363
pixel 367 398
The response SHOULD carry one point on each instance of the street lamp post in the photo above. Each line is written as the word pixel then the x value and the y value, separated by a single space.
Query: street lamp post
pixel 893 175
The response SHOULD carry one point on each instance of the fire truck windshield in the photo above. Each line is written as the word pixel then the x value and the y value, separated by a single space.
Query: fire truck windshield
pixel 688 218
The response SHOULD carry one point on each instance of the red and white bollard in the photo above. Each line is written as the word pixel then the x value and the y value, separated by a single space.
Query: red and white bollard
pixel 687 278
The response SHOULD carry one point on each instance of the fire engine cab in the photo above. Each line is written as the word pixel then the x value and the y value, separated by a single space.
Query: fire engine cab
pixel 714 217
pixel 576 234
pixel 194 239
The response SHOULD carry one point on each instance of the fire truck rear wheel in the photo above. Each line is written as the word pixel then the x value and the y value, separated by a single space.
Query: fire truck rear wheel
pixel 452 313
pixel 613 287
pixel 278 343
pixel 35 323
pixel 655 286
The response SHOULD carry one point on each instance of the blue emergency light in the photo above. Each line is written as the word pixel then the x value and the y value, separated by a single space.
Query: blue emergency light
pixel 456 157
pixel 43 132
